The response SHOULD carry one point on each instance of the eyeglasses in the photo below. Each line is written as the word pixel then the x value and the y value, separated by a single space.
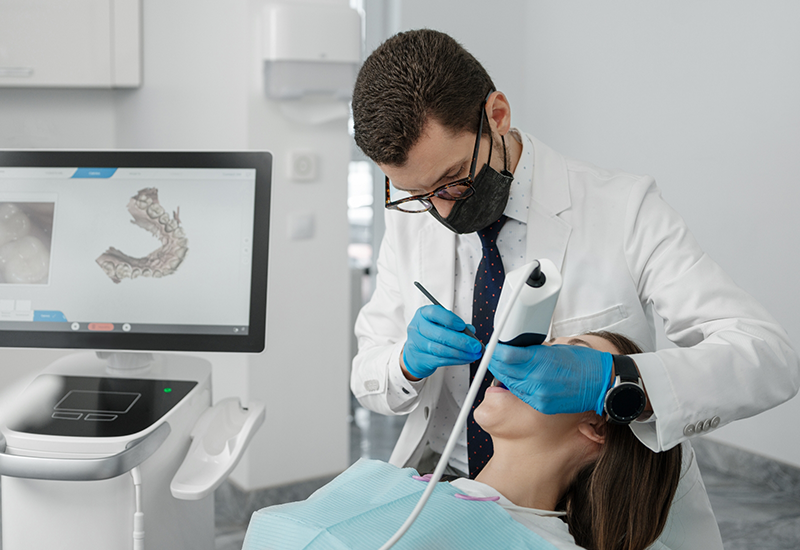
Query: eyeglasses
pixel 453 191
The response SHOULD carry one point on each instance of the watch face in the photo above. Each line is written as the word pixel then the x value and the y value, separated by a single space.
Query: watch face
pixel 625 402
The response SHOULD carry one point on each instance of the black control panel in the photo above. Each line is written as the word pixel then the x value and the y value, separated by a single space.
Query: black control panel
pixel 87 406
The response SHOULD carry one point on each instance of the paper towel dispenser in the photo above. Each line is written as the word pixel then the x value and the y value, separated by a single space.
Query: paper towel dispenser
pixel 310 49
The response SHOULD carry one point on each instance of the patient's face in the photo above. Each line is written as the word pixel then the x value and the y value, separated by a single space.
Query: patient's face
pixel 502 414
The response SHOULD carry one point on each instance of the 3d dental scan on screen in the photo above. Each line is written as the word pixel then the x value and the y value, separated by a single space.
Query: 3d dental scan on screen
pixel 125 254
pixel 156 252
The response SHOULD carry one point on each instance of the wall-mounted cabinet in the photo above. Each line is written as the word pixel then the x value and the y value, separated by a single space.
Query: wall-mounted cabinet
pixel 71 43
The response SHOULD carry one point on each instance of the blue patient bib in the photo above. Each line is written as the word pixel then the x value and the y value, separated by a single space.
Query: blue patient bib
pixel 364 506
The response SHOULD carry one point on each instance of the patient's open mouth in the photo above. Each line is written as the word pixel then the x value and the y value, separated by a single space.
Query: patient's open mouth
pixel 498 384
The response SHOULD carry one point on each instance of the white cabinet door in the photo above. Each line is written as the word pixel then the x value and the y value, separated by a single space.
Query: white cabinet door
pixel 63 43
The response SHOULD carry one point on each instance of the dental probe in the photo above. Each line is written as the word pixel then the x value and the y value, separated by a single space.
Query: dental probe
pixel 460 422
pixel 435 302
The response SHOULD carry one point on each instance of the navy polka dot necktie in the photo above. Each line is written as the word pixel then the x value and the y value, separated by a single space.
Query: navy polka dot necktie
pixel 488 283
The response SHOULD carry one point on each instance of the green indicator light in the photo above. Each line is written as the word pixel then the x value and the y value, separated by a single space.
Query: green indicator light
pixel 167 390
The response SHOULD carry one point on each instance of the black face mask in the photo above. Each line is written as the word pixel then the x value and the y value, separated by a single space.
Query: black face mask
pixel 485 205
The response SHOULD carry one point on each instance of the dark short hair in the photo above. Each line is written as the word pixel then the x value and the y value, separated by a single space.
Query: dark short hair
pixel 414 76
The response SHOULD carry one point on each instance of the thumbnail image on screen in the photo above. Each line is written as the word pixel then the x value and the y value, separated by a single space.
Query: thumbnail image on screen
pixel 26 230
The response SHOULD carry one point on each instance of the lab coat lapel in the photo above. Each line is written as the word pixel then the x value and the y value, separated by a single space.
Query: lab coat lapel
pixel 548 234
pixel 437 262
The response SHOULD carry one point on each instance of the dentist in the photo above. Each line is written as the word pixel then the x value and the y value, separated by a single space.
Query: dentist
pixel 470 198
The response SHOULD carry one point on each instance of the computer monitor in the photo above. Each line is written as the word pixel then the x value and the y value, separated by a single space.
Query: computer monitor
pixel 134 250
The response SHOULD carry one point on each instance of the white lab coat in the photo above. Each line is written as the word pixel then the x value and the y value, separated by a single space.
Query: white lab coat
pixel 624 255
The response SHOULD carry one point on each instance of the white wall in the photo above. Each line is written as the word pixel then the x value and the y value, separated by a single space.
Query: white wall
pixel 494 32
pixel 701 94
pixel 56 118
pixel 196 58
pixel 202 89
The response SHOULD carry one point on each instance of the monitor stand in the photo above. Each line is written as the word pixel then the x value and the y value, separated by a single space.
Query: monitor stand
pixel 126 360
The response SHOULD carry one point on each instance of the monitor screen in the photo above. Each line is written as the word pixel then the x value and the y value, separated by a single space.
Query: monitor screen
pixel 134 250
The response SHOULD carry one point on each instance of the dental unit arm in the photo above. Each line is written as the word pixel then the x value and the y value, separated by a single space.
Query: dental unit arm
pixel 524 313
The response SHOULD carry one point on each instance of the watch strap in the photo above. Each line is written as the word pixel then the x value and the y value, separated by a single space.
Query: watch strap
pixel 625 369
pixel 626 380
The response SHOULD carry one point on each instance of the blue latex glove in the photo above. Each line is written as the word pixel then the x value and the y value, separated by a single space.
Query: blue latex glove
pixel 554 379
pixel 435 340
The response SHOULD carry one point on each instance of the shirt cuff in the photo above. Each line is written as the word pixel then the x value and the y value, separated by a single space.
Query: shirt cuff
pixel 650 418
pixel 655 380
pixel 400 392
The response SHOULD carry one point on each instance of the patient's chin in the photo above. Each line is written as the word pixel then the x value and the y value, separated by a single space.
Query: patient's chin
pixel 490 414
pixel 504 416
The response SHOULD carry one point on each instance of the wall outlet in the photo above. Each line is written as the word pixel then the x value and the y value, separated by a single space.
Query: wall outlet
pixel 303 165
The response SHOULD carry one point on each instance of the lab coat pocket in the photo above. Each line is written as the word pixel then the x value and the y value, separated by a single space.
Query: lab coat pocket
pixel 602 320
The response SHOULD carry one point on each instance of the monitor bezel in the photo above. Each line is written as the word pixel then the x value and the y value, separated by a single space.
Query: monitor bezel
pixel 253 341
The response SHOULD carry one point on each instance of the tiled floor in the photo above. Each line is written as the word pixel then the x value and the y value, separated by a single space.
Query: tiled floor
pixel 750 516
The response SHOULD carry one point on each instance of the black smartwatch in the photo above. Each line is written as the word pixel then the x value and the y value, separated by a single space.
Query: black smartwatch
pixel 626 399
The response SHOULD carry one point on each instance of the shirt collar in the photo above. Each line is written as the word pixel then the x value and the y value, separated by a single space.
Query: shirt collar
pixel 519 197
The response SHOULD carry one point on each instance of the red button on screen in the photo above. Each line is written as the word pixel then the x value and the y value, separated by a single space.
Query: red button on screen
pixel 101 326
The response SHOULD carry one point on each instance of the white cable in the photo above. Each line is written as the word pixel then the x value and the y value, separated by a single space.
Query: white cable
pixel 461 421
pixel 138 516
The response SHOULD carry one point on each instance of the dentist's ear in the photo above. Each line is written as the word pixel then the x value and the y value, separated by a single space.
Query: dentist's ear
pixel 593 428
pixel 498 110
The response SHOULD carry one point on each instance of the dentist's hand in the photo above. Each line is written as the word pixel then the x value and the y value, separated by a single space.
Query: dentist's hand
pixel 555 379
pixel 435 340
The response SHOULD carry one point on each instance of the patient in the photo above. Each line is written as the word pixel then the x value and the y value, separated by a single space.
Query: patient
pixel 615 492
pixel 566 481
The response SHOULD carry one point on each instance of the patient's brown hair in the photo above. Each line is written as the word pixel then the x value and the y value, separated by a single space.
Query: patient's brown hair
pixel 621 501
